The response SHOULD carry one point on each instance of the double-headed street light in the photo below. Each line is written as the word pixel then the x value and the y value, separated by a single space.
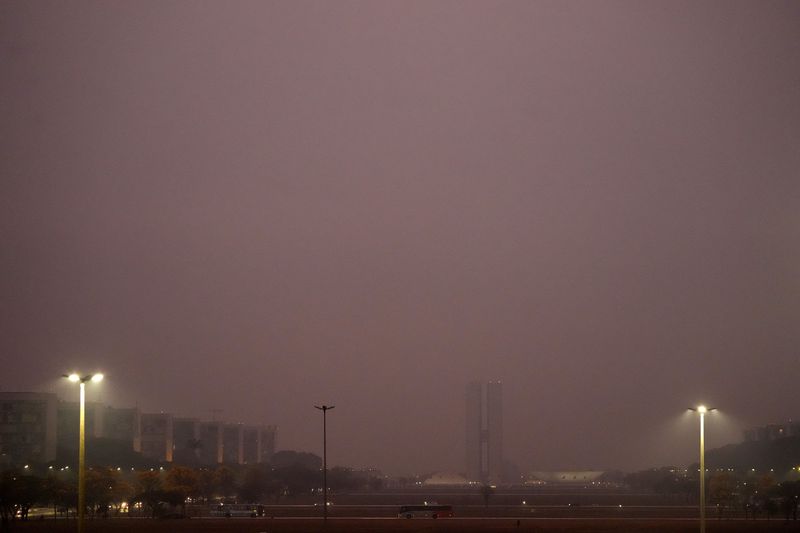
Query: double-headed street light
pixel 77 378
pixel 324 409
pixel 702 410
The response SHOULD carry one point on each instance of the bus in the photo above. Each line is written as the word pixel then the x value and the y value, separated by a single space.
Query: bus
pixel 229 510
pixel 426 511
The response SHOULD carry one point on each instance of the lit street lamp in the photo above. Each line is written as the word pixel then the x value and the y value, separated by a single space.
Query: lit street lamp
pixel 702 410
pixel 325 409
pixel 75 378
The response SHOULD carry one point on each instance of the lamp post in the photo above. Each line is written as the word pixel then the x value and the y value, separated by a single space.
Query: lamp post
pixel 702 410
pixel 324 409
pixel 75 378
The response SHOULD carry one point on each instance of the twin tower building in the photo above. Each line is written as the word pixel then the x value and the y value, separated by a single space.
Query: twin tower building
pixel 484 427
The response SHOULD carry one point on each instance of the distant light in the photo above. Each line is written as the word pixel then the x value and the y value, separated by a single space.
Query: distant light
pixel 74 377
pixel 97 378
pixel 524 502
pixel 27 467
pixel 702 409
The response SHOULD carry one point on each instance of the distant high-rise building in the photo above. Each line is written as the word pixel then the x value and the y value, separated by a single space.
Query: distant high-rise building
pixel 484 432
pixel 28 426
pixel 233 444
pixel 186 441
pixel 124 424
pixel 212 442
pixel 269 437
pixel 157 437
pixel 494 431
pixel 69 423
pixel 474 427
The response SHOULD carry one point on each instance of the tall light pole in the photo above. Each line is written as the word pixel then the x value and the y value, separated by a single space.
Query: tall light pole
pixel 75 378
pixel 324 409
pixel 702 410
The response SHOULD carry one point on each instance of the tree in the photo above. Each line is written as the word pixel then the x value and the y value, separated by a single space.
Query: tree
pixel 59 493
pixel 287 458
pixel 99 486
pixel 206 484
pixel 255 484
pixel 182 483
pixel 151 492
pixel 720 490
pixel 790 498
pixel 225 481
pixel 342 479
pixel 765 494
pixel 297 479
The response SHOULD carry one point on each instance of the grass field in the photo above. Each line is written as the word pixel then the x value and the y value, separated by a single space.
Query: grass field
pixel 394 525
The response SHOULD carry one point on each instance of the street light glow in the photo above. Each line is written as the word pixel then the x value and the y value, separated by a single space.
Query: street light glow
pixel 76 378
pixel 702 409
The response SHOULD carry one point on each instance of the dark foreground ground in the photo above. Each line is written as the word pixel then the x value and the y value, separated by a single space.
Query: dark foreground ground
pixel 392 525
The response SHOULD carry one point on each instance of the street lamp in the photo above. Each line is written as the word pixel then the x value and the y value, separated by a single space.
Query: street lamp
pixel 702 410
pixel 76 378
pixel 324 409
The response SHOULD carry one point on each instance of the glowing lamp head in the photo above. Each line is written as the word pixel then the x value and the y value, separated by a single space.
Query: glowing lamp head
pixel 702 409
pixel 97 378
pixel 74 377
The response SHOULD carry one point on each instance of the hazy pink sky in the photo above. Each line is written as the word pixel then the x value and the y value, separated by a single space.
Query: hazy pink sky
pixel 260 206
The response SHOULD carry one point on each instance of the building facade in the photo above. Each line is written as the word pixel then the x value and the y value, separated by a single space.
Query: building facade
pixel 123 424
pixel 484 432
pixel 211 436
pixel 157 436
pixel 39 428
pixel 28 427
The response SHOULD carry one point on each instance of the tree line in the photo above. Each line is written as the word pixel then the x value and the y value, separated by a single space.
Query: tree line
pixel 291 476
pixel 728 491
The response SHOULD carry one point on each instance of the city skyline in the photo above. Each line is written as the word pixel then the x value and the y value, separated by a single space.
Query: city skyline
pixel 262 207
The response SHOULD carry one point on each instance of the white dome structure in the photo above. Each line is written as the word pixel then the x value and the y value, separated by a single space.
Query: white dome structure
pixel 446 478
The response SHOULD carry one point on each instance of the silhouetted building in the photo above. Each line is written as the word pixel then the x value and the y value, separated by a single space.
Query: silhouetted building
pixel 157 436
pixel 187 441
pixel 484 432
pixel 123 424
pixel 233 444
pixel 269 437
pixel 69 415
pixel 37 427
pixel 494 431
pixel 772 432
pixel 28 426
pixel 474 432
pixel 211 443
pixel 251 444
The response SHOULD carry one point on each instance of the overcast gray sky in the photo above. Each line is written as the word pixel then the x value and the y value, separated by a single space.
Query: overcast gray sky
pixel 260 206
